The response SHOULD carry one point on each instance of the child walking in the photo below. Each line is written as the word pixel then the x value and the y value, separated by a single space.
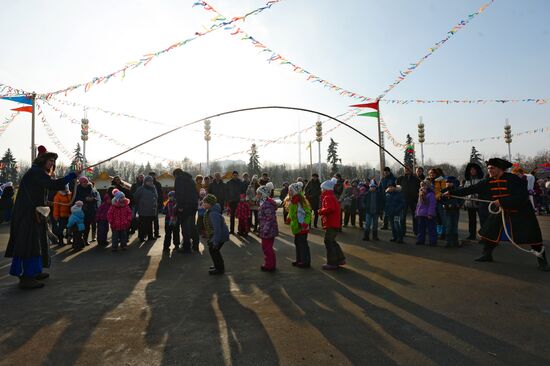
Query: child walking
pixel 425 214
pixel 330 217
pixel 61 212
pixel 268 229
pixel 217 233
pixel 76 225
pixel 171 223
pixel 373 207
pixel 243 215
pixel 299 217
pixel 103 221
pixel 395 202
pixel 120 219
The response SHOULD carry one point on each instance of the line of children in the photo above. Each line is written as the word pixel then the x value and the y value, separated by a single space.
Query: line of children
pixel 268 228
pixel 395 203
pixel 426 211
pixel 76 225
pixel 171 223
pixel 299 217
pixel 120 219
pixel 217 233
pixel 331 218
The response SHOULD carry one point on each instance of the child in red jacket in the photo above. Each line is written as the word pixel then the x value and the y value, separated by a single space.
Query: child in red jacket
pixel 331 212
pixel 243 215
pixel 120 219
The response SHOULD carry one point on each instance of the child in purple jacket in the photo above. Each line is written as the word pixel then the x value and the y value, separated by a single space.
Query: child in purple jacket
pixel 425 214
pixel 268 225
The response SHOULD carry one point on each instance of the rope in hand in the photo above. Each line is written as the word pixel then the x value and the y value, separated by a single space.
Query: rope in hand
pixel 500 211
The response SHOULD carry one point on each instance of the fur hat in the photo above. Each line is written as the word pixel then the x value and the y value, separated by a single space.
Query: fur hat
pixel 499 163
pixel 148 179
pixel 266 190
pixel 328 185
pixel 296 187
pixel 210 199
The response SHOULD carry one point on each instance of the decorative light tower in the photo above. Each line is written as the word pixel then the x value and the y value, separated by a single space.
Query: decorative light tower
pixel 207 138
pixel 508 138
pixel 421 139
pixel 84 137
pixel 319 138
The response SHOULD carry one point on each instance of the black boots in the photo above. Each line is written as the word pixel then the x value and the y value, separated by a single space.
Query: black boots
pixel 366 237
pixel 375 235
pixel 487 253
pixel 543 263
pixel 28 283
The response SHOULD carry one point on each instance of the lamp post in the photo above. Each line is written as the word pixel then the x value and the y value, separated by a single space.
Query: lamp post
pixel 508 138
pixel 207 138
pixel 84 137
pixel 319 138
pixel 421 139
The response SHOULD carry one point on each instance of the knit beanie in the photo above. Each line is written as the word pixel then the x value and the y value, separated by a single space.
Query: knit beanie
pixel 265 191
pixel 296 188
pixel 373 184
pixel 210 199
pixel 118 196
pixel 148 180
pixel 171 194
pixel 328 185
pixel 83 180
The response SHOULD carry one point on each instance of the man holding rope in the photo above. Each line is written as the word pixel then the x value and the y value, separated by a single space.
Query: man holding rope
pixel 511 214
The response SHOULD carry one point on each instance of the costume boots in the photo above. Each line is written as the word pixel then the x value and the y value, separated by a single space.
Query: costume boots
pixel 543 263
pixel 487 253
pixel 29 283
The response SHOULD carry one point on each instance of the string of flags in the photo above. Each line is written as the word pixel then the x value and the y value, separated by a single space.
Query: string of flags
pixel 6 122
pixel 463 101
pixel 148 57
pixel 52 135
pixel 491 138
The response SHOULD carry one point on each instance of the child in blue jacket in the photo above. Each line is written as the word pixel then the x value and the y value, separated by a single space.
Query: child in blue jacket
pixel 395 202
pixel 76 225
pixel 217 233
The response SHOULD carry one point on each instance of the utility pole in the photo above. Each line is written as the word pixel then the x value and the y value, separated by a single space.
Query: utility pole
pixel 310 159
pixel 207 138
pixel 84 137
pixel 508 138
pixel 421 139
pixel 33 144
pixel 319 138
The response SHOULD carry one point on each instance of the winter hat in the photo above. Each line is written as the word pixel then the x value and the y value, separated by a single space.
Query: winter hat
pixel 83 180
pixel 115 191
pixel 202 193
pixel 328 185
pixel 296 188
pixel 210 199
pixel 77 206
pixel 148 180
pixel 266 190
pixel 373 184
pixel 171 194
pixel 41 150
pixel 118 196
pixel 6 185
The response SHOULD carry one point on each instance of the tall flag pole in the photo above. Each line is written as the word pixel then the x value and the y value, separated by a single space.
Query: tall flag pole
pixel 376 106
pixel 33 125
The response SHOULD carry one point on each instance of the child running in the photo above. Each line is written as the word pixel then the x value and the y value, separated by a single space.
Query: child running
pixel 330 214
pixel 120 219
pixel 299 217
pixel 217 233
pixel 268 226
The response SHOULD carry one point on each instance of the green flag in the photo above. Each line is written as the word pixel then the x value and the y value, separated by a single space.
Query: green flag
pixel 369 114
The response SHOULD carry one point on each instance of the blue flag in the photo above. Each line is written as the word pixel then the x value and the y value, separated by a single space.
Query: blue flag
pixel 20 99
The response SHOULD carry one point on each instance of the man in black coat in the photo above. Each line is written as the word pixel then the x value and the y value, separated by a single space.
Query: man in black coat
pixel 187 201
pixel 217 188
pixel 509 192
pixel 160 203
pixel 27 245
pixel 410 185
pixel 233 195
pixel 313 195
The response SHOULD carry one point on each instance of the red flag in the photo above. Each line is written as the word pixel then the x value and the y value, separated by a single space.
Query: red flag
pixel 367 105
pixel 23 109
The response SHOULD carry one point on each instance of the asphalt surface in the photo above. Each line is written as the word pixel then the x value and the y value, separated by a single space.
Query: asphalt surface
pixel 393 304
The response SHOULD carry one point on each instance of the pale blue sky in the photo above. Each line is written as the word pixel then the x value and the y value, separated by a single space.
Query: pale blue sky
pixel 358 45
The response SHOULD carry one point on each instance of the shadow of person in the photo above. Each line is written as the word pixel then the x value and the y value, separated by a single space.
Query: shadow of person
pixel 57 322
pixel 203 322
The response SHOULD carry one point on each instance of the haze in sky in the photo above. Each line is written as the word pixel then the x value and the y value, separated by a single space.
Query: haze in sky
pixel 359 45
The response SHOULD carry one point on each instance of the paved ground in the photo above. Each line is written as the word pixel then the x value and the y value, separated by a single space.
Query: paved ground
pixel 393 304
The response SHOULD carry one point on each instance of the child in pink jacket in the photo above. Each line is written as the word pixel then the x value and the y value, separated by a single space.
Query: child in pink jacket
pixel 120 219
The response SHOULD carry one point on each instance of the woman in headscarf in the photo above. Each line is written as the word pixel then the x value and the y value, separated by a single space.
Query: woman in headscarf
pixel 28 246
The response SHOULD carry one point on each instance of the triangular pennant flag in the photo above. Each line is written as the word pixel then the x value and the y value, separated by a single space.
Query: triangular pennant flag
pixel 23 109
pixel 367 105
pixel 369 114
pixel 20 99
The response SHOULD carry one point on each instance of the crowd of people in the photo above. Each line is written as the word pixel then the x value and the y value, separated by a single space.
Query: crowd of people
pixel 196 206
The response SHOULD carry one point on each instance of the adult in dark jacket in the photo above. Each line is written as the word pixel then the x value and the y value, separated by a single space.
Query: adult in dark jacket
pixel 6 203
pixel 217 188
pixel 473 175
pixel 508 192
pixel 27 245
pixel 133 189
pixel 85 193
pixel 372 203
pixel 160 203
pixel 313 195
pixel 387 179
pixel 187 200
pixel 233 196
pixel 410 185
pixel 146 203
pixel 283 196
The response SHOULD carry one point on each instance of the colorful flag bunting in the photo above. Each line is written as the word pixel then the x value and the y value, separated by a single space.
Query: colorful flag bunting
pixel 369 114
pixel 367 105
pixel 23 109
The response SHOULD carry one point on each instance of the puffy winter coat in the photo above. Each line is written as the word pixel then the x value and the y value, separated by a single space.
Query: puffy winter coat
pixel 395 202
pixel 146 200
pixel 426 206
pixel 470 181
pixel 76 219
pixel 102 213
pixel 373 202
pixel 410 184
pixel 120 215
pixel 214 221
pixel 313 193
pixel 299 216
pixel 61 207
pixel 330 210
pixel 233 190
pixel 187 197
pixel 268 219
